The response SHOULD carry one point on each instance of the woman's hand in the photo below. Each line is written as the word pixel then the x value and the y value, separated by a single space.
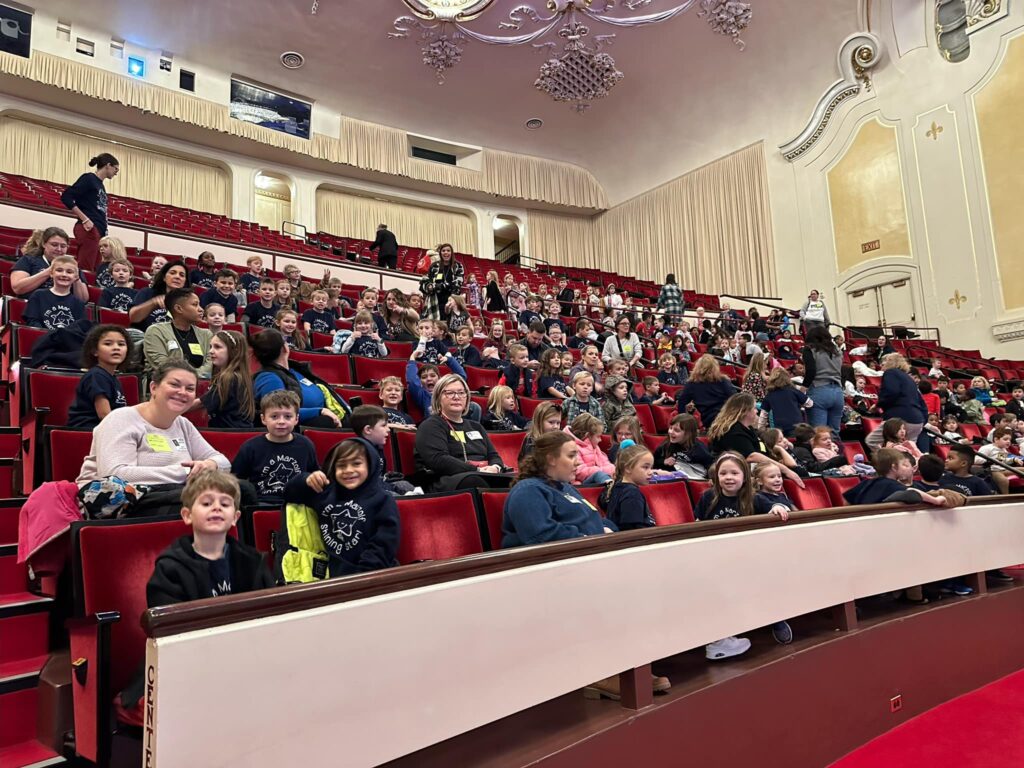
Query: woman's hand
pixel 781 511
pixel 491 469
pixel 317 481
pixel 87 225
pixel 789 473
pixel 198 466
pixel 159 301
pixel 331 415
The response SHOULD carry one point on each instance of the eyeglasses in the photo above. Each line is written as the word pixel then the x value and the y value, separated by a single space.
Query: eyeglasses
pixel 453 393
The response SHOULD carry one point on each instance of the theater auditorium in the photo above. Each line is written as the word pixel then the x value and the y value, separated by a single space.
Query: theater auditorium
pixel 508 383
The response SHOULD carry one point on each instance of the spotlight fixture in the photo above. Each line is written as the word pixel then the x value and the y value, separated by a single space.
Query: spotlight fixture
pixel 534 123
pixel 136 66
pixel 292 60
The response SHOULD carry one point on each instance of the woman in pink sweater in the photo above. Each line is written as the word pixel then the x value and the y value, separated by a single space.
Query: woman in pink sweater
pixel 594 468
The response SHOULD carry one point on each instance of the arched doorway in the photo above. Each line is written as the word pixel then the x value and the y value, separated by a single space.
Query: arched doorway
pixel 506 239
pixel 273 203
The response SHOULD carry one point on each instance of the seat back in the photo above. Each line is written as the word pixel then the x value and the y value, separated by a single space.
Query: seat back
pixel 373 369
pixel 669 502
pixel 836 487
pixel 334 369
pixel 591 493
pixel 696 489
pixel 56 391
pixel 646 418
pixel 814 494
pixel 508 444
pixel 438 527
pixel 367 395
pixel 265 523
pixel 851 448
pixel 493 503
pixel 662 414
pixel 68 449
pixel 405 451
pixel 228 441
pixel 481 378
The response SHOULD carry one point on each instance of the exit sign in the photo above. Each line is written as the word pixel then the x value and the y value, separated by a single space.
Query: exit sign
pixel 874 245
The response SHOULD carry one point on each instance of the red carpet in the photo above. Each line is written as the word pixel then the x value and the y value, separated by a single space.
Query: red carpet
pixel 981 729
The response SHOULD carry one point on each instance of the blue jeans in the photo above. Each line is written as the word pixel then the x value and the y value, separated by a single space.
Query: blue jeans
pixel 828 406
pixel 598 478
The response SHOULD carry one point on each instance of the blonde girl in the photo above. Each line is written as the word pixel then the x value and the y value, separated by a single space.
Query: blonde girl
pixel 778 448
pixel 547 417
pixel 754 378
pixel 626 428
pixel 594 467
pixel 229 402
pixel 502 411
pixel 287 322
pixel 623 502
pixel 111 249
pixel 768 483
pixel 822 445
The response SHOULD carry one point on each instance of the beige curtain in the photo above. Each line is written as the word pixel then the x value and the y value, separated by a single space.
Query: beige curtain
pixel 362 145
pixel 53 154
pixel 711 227
pixel 354 216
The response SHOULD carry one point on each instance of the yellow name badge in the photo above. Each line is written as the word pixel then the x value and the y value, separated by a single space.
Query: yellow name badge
pixel 195 349
pixel 438 277
pixel 459 435
pixel 159 443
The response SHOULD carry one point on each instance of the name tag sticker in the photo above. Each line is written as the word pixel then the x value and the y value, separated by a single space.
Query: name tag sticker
pixel 438 277
pixel 172 344
pixel 474 435
pixel 459 435
pixel 306 382
pixel 195 349
pixel 159 443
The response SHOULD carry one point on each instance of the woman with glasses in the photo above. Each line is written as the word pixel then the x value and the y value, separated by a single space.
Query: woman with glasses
pixel 32 271
pixel 623 344
pixel 452 451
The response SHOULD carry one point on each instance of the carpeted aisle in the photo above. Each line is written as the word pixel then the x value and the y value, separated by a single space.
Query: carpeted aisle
pixel 981 729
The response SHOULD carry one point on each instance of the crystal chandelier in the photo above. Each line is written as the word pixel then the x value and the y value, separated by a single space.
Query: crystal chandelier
pixel 582 71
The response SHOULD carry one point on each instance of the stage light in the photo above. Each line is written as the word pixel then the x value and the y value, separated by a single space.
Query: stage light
pixel 136 66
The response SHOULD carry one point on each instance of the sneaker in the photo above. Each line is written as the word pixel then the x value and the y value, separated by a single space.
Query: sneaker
pixel 604 689
pixel 782 633
pixel 1001 576
pixel 660 684
pixel 960 589
pixel 726 648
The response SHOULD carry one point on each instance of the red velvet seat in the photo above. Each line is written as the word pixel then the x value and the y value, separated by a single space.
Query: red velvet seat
pixel 813 496
pixel 399 349
pixel 24 339
pixel 663 415
pixel 971 431
pixel 836 486
pixel 646 419
pixel 111 562
pixel 68 449
pixel 265 525
pixel 438 527
pixel 405 447
pixel 508 444
pixel 669 502
pixel 371 369
pixel 696 489
pixel 334 369
pixel 368 395
pixel 870 424
pixel 591 494
pixel 481 378
pixel 228 441
pixel 653 441
pixel 851 448
pixel 493 511
pixel 527 405
pixel 107 315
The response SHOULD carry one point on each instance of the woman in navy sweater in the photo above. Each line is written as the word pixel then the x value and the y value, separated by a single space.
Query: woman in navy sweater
pixel 708 389
pixel 899 398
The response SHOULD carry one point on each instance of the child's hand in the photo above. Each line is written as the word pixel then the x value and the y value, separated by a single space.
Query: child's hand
pixel 375 336
pixel 780 511
pixel 317 481
pixel 357 334
pixel 416 354
pixel 670 461
pixel 787 472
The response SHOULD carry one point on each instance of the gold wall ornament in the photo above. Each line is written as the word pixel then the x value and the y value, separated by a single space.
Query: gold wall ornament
pixel 934 131
pixel 958 299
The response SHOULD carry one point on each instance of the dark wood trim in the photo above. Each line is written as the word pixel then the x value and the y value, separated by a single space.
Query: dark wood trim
pixel 635 687
pixel 845 616
pixel 217 612
pixel 977 582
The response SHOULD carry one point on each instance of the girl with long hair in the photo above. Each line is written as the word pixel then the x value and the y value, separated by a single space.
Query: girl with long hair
pixel 502 413
pixel 287 322
pixel 229 401
pixel 622 501
pixel 111 249
pixel 682 451
pixel 754 378
pixel 733 431
pixel 707 388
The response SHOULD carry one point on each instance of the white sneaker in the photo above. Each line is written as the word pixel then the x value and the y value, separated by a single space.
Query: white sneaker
pixel 727 647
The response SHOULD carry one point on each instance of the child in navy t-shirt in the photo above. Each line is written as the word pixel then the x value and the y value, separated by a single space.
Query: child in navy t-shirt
pixel 223 293
pixel 319 319
pixel 895 473
pixel 104 350
pixel 958 475
pixel 56 307
pixel 120 294
pixel 732 493
pixel 263 312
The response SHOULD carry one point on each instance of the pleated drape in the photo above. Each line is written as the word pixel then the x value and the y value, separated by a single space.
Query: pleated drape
pixel 413 225
pixel 53 154
pixel 711 227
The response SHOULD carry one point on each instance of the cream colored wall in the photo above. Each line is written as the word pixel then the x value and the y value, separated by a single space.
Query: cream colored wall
pixel 954 133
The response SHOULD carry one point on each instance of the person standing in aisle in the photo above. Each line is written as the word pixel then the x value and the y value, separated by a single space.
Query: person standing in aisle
pixel 386 245
pixel 87 199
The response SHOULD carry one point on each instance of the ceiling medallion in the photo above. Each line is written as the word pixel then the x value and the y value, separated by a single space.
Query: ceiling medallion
pixel 582 73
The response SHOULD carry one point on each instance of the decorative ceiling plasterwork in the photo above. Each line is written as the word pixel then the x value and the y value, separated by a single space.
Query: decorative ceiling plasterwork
pixel 582 72
pixel 858 55
pixel 982 12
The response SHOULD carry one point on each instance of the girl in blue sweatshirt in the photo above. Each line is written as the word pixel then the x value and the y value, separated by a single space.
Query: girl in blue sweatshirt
pixel 356 528
pixel 543 505
pixel 623 501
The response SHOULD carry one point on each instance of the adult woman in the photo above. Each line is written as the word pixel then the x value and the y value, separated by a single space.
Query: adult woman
pixel 451 450
pixel 899 398
pixel 495 298
pixel 543 505
pixel 442 280
pixel 148 307
pixel 180 339
pixel 733 430
pixel 707 388
pixel 32 270
pixel 153 443
pixel 624 344
pixel 590 361
pixel 398 318
pixel 813 314
pixel 823 378
pixel 87 199
pixel 320 406
pixel 670 300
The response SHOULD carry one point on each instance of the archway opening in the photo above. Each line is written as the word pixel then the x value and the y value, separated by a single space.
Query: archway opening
pixel 506 239
pixel 273 199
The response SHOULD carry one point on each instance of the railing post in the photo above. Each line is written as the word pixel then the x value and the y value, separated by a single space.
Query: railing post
pixel 635 687
pixel 845 616
pixel 976 581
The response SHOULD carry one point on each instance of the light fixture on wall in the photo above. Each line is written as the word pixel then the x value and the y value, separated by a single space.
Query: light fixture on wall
pixel 582 71
pixel 136 66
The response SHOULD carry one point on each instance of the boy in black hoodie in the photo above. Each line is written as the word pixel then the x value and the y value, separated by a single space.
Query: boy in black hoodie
pixel 895 472
pixel 207 563
pixel 340 520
